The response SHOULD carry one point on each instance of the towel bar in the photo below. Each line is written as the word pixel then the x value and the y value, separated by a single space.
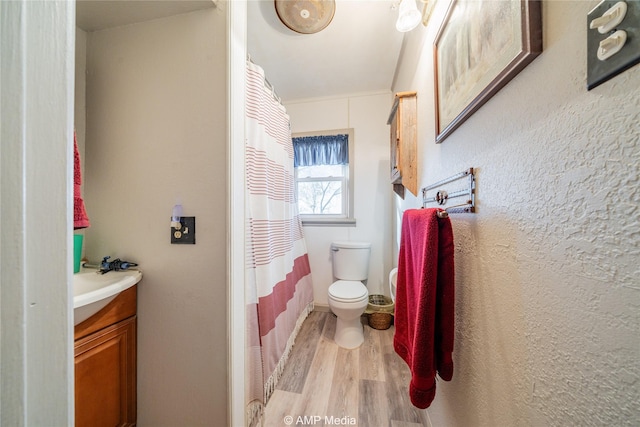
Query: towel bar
pixel 441 196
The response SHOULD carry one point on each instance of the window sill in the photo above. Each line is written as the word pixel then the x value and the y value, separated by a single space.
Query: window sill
pixel 329 222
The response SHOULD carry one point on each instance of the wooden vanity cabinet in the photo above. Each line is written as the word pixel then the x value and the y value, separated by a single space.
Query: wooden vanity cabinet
pixel 105 365
pixel 404 139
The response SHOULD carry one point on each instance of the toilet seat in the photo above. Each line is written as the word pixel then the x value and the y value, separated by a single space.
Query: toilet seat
pixel 348 291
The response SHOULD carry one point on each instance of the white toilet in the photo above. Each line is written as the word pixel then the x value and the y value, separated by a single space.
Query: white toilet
pixel 348 296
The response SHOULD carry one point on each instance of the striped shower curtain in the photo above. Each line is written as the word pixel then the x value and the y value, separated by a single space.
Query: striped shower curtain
pixel 278 278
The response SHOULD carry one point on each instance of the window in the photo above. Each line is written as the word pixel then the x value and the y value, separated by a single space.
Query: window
pixel 323 175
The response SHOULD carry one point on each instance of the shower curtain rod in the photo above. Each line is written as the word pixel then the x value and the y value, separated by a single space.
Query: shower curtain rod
pixel 267 83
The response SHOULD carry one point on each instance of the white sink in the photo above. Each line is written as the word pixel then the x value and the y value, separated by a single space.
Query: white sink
pixel 92 291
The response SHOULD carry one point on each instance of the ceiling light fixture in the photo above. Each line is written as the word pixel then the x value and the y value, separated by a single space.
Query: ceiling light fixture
pixel 408 16
pixel 305 16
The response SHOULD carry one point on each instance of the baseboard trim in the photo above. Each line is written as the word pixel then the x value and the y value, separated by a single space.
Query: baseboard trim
pixel 321 307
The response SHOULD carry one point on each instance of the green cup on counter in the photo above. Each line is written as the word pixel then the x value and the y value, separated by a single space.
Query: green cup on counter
pixel 77 251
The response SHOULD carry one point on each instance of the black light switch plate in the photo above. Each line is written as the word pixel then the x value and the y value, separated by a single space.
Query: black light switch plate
pixel 186 234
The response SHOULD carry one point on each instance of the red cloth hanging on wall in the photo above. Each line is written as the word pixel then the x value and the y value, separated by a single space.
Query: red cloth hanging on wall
pixel 80 218
pixel 425 298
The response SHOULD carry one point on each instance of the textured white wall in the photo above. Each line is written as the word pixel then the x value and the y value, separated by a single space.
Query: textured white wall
pixel 547 279
pixel 156 131
pixel 367 115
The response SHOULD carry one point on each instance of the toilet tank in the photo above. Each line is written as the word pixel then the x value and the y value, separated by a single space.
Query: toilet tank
pixel 350 260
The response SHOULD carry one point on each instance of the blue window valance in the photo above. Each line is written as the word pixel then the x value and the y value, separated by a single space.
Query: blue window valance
pixel 321 150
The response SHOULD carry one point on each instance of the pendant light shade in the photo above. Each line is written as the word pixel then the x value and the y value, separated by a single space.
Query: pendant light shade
pixel 408 16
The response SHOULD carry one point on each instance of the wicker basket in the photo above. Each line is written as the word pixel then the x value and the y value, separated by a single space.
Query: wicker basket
pixel 379 304
pixel 380 311
pixel 380 320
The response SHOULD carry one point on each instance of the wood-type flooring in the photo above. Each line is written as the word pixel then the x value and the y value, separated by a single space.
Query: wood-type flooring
pixel 323 384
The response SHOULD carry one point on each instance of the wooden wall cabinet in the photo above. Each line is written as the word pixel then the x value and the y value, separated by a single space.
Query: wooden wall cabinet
pixel 105 365
pixel 404 141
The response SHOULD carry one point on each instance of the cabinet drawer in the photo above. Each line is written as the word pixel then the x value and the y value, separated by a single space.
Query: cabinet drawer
pixel 122 307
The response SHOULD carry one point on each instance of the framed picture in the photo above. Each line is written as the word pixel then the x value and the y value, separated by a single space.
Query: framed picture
pixel 480 46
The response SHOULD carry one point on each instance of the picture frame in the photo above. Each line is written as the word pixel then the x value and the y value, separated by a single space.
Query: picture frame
pixel 473 60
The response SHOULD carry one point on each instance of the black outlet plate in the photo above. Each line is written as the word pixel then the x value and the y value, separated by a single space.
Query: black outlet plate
pixel 186 234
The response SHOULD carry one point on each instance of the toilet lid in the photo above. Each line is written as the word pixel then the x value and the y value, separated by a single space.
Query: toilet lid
pixel 348 290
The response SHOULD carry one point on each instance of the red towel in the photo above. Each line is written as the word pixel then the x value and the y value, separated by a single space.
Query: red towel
pixel 80 218
pixel 424 316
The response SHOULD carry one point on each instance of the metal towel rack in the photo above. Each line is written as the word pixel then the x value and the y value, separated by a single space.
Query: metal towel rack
pixel 441 197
